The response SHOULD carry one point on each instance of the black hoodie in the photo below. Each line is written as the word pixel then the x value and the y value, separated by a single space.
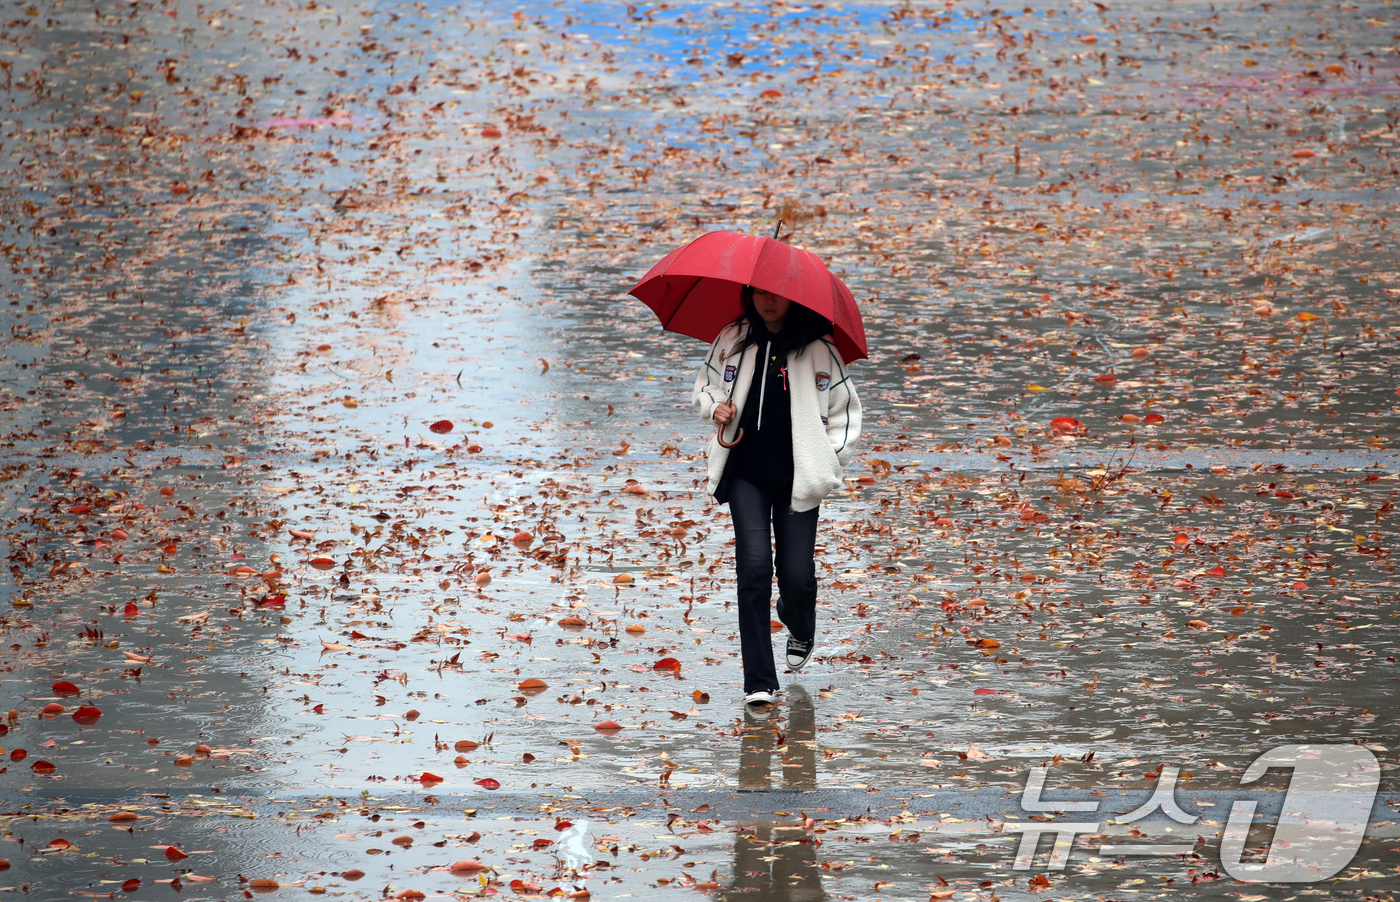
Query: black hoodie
pixel 764 457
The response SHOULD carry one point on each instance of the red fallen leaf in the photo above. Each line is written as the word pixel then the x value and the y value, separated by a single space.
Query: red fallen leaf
pixel 321 563
pixel 1153 419
pixel 490 132
pixel 131 610
pixel 667 664
pixel 563 825
pixel 1105 378
pixel 466 864
pixel 1303 153
pixel 427 778
pixel 352 874
pixel 58 843
pixel 242 570
pixel 607 726
pixel 635 489
pixel 356 634
pixel 18 754
pixel 1198 624
pixel 52 708
pixel 63 687
pixel 121 816
pixel 572 620
pixel 1181 539
pixel 1281 493
pixel 1299 586
pixel 1216 571
pixel 174 854
pixel 1061 425
pixel 987 643
pixel 87 714
pixel 532 684
pixel 986 692
pixel 263 883
pixel 523 538
pixel 488 783
pixel 170 549
pixel 441 427
pixel 771 93
pixel 521 886
pixel 80 509
pixel 271 601
pixel 410 895
pixel 131 885
pixel 303 534
pixel 466 745
pixel 43 767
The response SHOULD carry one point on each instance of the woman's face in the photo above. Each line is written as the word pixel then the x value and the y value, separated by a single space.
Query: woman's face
pixel 771 307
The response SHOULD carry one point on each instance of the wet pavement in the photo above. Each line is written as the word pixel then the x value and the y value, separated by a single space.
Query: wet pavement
pixel 315 311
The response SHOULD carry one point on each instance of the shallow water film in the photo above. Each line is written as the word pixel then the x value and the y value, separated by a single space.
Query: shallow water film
pixel 354 516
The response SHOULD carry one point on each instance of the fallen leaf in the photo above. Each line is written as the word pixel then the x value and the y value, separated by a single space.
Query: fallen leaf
pixel 467 865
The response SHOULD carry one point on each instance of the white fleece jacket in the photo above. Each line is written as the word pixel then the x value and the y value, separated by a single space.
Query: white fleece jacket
pixel 825 410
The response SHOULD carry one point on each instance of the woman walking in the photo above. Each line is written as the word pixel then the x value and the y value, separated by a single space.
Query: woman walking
pixel 775 375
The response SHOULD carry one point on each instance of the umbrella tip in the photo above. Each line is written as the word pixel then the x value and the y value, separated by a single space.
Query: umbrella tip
pixel 778 228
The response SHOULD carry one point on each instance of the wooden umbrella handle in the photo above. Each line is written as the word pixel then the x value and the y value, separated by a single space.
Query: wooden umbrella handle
pixel 738 437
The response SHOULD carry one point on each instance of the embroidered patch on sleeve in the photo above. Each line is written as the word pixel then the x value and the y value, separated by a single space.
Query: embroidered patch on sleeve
pixel 729 372
pixel 823 380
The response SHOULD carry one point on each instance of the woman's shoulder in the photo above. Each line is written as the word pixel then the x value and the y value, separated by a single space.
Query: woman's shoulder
pixel 823 346
pixel 732 333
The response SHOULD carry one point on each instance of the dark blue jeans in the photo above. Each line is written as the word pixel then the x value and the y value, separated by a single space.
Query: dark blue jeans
pixel 789 545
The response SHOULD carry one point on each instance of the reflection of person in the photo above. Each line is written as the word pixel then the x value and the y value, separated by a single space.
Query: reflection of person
pixel 773 862
pixel 800 419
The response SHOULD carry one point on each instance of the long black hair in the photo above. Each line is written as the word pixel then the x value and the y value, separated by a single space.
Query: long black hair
pixel 801 327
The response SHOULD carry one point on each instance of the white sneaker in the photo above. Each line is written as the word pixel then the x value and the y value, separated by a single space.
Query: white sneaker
pixel 760 699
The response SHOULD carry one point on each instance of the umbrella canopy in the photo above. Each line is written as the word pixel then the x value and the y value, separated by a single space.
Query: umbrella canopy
pixel 694 290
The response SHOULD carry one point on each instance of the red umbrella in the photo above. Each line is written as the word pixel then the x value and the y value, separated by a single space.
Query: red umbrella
pixel 695 288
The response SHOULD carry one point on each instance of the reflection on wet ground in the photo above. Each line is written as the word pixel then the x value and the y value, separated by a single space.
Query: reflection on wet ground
pixel 328 429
